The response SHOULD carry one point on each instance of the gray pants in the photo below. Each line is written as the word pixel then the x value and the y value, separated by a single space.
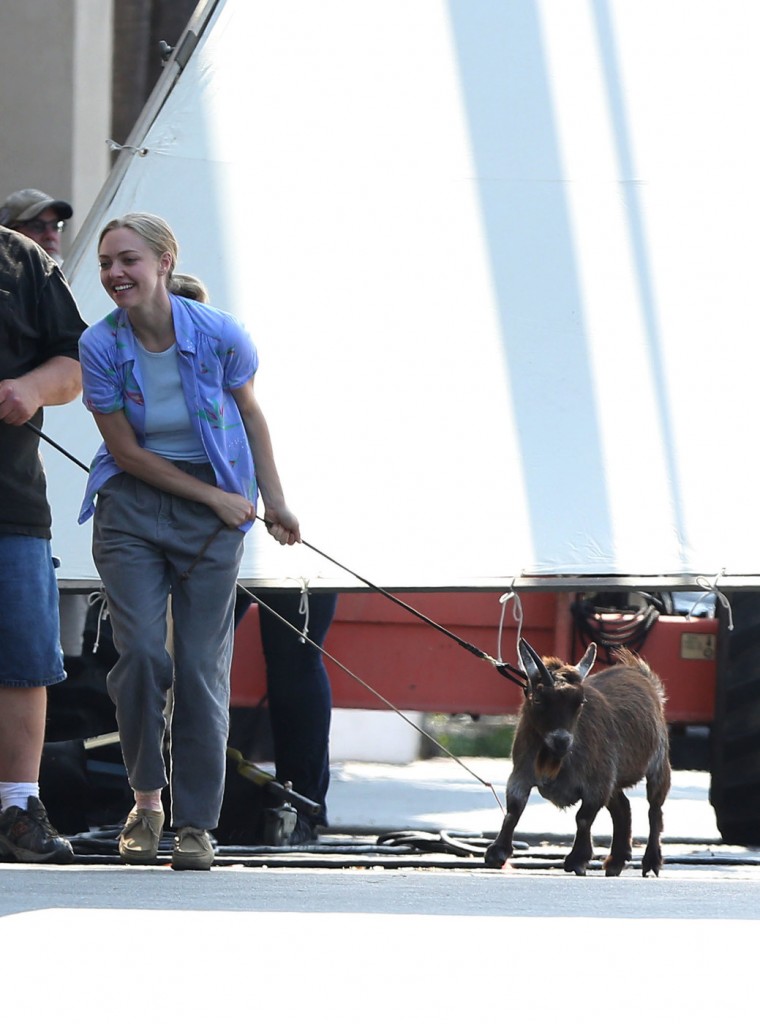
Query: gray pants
pixel 143 541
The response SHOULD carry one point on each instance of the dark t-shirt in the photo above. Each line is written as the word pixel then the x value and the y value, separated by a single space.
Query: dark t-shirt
pixel 39 319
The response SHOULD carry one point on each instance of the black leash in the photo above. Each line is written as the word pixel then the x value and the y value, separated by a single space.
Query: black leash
pixel 50 441
pixel 502 667
pixel 514 675
pixel 186 574
pixel 211 537
pixel 370 689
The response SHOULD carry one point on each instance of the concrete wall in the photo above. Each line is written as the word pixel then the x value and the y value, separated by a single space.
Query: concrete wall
pixel 55 99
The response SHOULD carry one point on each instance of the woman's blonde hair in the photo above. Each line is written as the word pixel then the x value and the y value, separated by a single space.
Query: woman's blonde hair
pixel 189 287
pixel 154 231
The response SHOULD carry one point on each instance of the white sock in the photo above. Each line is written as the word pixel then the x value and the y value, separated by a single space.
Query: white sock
pixel 16 794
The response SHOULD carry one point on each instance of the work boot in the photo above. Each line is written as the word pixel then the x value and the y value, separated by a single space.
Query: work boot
pixel 28 837
pixel 193 850
pixel 139 839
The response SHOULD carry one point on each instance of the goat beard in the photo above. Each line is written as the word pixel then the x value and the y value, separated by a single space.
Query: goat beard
pixel 548 765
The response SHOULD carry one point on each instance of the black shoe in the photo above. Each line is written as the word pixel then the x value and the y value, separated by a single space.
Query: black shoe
pixel 28 837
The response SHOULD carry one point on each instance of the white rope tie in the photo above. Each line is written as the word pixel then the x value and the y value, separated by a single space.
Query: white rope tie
pixel 517 615
pixel 98 597
pixel 711 587
pixel 303 609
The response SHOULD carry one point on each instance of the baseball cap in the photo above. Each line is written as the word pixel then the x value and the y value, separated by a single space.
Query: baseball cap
pixel 28 203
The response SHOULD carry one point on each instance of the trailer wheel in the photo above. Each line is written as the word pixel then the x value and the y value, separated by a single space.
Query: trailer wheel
pixel 735 781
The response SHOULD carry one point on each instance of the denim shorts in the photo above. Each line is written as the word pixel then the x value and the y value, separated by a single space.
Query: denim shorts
pixel 30 636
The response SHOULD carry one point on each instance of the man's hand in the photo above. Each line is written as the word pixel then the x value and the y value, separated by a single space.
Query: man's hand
pixel 19 401
pixel 55 382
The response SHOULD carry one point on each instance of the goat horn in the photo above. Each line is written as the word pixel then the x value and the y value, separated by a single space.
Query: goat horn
pixel 534 667
pixel 586 663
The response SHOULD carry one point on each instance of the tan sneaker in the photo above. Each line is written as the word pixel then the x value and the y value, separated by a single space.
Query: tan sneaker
pixel 193 850
pixel 139 839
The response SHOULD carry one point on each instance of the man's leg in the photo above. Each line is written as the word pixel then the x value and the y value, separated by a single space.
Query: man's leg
pixel 30 660
pixel 22 732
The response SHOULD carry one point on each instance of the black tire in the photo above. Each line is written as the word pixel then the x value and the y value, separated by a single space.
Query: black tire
pixel 690 748
pixel 735 781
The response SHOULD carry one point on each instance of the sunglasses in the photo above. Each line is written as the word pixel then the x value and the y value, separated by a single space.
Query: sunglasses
pixel 39 227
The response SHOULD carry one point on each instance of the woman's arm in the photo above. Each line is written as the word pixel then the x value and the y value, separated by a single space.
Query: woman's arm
pixel 281 522
pixel 232 509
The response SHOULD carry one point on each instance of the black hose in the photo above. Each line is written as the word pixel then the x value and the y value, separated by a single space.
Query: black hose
pixel 592 625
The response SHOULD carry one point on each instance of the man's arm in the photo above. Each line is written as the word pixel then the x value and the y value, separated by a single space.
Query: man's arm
pixel 56 382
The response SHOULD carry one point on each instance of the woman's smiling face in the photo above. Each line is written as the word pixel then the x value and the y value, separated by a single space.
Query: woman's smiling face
pixel 129 269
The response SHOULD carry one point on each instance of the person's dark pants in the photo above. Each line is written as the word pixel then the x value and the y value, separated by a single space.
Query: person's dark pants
pixel 298 688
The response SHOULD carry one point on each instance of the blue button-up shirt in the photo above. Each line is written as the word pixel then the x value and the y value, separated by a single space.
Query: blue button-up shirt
pixel 216 355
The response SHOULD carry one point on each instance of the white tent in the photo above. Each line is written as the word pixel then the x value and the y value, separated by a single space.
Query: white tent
pixel 500 263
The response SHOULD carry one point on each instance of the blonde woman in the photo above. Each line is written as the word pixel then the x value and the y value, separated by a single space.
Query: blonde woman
pixel 186 451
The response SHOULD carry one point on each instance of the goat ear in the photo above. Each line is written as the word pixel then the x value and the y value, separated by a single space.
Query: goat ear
pixel 534 667
pixel 586 663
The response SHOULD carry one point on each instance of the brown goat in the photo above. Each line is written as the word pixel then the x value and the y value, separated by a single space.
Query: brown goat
pixel 589 741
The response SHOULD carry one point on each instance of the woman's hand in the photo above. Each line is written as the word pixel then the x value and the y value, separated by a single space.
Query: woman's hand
pixel 282 525
pixel 232 509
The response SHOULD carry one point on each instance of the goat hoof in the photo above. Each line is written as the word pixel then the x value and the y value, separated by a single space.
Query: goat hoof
pixel 575 869
pixel 613 868
pixel 495 856
pixel 651 862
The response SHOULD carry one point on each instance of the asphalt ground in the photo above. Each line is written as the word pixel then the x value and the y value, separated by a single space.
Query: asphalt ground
pixel 348 931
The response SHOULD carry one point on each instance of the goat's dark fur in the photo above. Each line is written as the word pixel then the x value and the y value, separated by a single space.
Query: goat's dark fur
pixel 588 742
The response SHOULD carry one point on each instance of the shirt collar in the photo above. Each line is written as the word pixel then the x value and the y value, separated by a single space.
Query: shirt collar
pixel 184 329
pixel 184 325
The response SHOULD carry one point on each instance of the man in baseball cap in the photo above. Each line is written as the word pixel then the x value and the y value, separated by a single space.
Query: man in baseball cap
pixel 39 217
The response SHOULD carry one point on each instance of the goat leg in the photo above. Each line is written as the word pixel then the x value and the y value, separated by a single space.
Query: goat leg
pixel 652 859
pixel 658 786
pixel 621 849
pixel 500 850
pixel 583 850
